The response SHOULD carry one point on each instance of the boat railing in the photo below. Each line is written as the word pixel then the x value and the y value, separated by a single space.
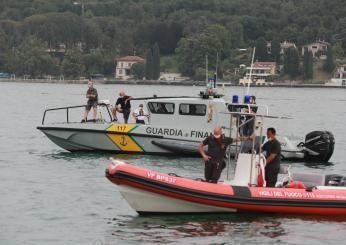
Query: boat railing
pixel 68 108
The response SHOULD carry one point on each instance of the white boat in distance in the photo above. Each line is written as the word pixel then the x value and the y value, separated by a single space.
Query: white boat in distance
pixel 176 126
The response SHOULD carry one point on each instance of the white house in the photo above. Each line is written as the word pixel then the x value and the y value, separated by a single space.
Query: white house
pixel 261 70
pixel 318 47
pixel 122 70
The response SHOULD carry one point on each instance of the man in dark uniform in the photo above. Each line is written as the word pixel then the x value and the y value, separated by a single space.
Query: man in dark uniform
pixel 214 160
pixel 92 97
pixel 123 106
pixel 272 151
pixel 248 126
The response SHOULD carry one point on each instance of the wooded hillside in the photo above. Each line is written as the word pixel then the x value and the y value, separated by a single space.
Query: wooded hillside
pixel 90 35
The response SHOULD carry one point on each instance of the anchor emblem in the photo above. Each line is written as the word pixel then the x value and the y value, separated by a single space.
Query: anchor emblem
pixel 123 142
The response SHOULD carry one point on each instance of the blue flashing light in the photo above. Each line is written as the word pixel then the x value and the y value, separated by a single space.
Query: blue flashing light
pixel 235 99
pixel 246 99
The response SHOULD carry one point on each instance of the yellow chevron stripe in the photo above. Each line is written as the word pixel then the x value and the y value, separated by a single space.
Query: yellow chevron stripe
pixel 123 141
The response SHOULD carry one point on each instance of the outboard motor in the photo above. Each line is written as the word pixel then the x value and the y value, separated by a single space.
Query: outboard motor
pixel 319 146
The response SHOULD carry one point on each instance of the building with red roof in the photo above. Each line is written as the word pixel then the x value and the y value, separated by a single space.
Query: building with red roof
pixel 124 64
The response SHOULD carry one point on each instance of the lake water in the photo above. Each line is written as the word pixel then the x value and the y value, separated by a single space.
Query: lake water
pixel 51 196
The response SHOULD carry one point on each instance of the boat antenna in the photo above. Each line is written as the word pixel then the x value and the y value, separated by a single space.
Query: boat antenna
pixel 206 70
pixel 250 77
pixel 217 62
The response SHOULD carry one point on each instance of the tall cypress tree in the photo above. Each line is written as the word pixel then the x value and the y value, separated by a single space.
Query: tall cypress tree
pixel 156 62
pixel 261 50
pixel 310 67
pixel 287 61
pixel 149 65
pixel 291 62
pixel 329 64
pixel 306 63
pixel 294 63
pixel 276 50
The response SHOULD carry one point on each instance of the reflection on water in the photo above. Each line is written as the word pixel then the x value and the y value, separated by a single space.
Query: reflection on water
pixel 216 229
pixel 166 229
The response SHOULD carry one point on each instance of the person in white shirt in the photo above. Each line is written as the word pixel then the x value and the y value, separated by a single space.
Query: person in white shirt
pixel 140 114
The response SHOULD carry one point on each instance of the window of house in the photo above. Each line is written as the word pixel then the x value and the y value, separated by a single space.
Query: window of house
pixel 192 109
pixel 161 108
pixel 120 71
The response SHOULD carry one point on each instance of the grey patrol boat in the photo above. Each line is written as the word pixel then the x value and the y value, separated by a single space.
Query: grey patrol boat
pixel 176 126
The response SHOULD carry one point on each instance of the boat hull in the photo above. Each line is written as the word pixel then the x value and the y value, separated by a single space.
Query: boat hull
pixel 153 192
pixel 147 202
pixel 132 138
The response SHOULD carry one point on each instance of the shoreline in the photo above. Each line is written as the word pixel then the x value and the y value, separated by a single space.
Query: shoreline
pixel 172 83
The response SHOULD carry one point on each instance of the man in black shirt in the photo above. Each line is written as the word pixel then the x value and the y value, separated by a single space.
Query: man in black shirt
pixel 248 127
pixel 122 105
pixel 272 151
pixel 214 159
pixel 92 97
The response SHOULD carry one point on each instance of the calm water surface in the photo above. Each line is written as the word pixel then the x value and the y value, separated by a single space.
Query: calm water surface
pixel 50 196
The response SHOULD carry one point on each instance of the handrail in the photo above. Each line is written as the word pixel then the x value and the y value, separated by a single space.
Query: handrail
pixel 72 107
pixel 163 97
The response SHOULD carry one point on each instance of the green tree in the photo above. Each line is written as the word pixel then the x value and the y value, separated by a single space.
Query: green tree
pixel 294 63
pixel 138 70
pixel 338 51
pixel 156 62
pixel 310 69
pixel 261 50
pixel 191 53
pixel 31 58
pixel 108 63
pixel 329 64
pixel 220 33
pixel 276 50
pixel 308 64
pixel 72 65
pixel 149 65
pixel 305 63
pixel 93 63
pixel 291 62
pixel 236 34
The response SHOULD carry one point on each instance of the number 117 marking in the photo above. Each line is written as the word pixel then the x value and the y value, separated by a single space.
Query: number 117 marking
pixel 121 128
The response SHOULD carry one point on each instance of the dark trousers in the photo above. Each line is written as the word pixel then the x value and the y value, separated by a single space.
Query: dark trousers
pixel 126 114
pixel 271 175
pixel 212 170
pixel 140 121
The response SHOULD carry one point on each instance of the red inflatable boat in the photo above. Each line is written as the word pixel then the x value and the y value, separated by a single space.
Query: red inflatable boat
pixel 149 191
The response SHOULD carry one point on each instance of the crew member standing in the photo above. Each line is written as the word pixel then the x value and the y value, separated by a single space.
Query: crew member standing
pixel 123 106
pixel 272 151
pixel 214 159
pixel 92 97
